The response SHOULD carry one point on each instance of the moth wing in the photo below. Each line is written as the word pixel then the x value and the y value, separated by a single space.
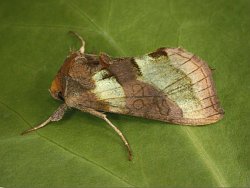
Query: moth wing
pixel 185 79
pixel 173 86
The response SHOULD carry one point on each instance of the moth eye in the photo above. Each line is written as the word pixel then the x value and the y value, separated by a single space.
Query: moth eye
pixel 60 96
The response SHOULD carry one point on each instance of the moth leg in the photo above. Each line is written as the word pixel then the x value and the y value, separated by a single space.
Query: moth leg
pixel 211 68
pixel 104 117
pixel 82 48
pixel 56 116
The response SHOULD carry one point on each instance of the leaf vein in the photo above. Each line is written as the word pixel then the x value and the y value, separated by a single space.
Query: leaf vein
pixel 64 148
pixel 206 158
pixel 102 31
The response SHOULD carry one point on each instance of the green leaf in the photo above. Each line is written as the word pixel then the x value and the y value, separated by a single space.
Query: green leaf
pixel 82 150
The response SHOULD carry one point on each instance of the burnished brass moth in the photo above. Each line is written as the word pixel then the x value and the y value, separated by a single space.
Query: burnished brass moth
pixel 170 85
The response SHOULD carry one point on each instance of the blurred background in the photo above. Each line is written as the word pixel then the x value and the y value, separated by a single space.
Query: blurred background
pixel 82 150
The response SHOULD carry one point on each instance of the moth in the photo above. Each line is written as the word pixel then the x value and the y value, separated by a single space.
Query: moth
pixel 169 84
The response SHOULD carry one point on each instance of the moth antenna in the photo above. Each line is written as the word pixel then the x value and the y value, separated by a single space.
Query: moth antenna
pixel 104 117
pixel 56 116
pixel 82 48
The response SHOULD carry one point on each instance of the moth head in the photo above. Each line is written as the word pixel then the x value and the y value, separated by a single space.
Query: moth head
pixel 58 84
pixel 56 90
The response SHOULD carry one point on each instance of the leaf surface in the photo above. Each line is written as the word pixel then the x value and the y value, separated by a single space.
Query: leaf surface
pixel 82 150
